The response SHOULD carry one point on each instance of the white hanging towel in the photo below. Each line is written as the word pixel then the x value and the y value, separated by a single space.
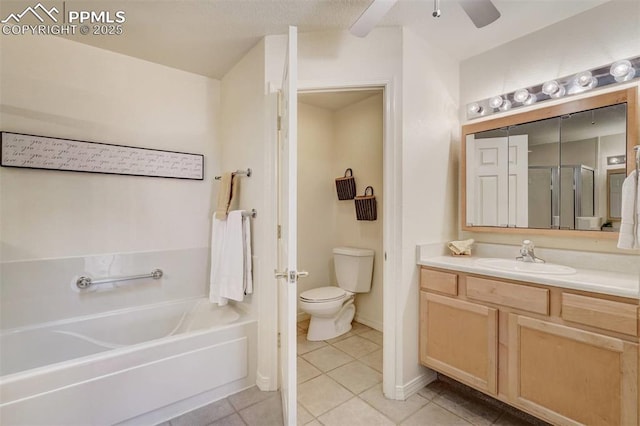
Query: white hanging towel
pixel 230 259
pixel 218 234
pixel 246 255
pixel 629 237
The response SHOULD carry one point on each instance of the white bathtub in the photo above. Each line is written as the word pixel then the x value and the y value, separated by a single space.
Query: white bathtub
pixel 136 365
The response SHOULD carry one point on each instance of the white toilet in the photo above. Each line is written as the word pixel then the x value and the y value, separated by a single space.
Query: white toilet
pixel 331 308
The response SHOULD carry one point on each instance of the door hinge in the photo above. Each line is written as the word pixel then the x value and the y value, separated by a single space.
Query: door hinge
pixel 279 122
pixel 278 339
pixel 279 231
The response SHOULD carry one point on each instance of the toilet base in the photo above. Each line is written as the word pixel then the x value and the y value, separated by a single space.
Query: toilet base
pixel 328 328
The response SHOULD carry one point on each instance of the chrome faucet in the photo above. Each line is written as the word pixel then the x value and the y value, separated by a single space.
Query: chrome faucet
pixel 527 254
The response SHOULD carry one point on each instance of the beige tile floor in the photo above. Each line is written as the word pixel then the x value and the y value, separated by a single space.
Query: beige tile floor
pixel 340 384
pixel 250 407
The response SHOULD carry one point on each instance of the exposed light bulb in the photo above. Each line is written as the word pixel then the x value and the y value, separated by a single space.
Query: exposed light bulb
pixel 495 102
pixel 475 108
pixel 506 105
pixel 620 68
pixel 521 95
pixel 622 71
pixel 586 80
pixel 553 89
pixel 530 100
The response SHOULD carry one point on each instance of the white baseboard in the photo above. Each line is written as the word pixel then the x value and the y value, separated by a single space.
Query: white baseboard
pixel 376 325
pixel 265 383
pixel 413 386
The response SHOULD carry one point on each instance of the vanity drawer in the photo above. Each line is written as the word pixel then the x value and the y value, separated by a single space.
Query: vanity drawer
pixel 531 299
pixel 441 282
pixel 604 314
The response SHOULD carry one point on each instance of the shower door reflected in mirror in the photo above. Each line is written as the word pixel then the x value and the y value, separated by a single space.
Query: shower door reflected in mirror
pixel 615 178
pixel 588 138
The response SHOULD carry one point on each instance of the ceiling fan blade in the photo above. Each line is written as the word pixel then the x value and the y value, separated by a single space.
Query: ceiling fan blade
pixel 371 16
pixel 481 12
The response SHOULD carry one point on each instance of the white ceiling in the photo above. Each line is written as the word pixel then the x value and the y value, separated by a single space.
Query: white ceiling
pixel 208 37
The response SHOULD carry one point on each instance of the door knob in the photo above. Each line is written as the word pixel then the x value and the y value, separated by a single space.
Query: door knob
pixel 290 275
pixel 283 274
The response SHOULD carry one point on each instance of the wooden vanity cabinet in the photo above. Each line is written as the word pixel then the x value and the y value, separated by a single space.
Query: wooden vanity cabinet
pixel 571 376
pixel 567 358
pixel 462 340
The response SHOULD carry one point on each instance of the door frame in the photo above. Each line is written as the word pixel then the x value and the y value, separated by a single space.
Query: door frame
pixel 392 215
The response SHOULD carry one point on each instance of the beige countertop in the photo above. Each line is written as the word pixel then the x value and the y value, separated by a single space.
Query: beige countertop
pixel 617 275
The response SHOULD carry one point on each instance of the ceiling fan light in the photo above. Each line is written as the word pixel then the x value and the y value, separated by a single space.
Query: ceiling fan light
pixel 496 102
pixel 521 95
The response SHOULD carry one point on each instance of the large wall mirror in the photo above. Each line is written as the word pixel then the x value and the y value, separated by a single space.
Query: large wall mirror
pixel 554 168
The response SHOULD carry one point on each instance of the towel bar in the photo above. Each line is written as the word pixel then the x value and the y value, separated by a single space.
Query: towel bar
pixel 238 172
pixel 253 213
pixel 637 151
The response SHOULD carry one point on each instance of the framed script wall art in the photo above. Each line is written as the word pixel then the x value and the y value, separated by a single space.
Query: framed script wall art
pixel 41 152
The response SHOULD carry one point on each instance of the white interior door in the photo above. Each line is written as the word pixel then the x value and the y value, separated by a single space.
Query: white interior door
pixel 518 181
pixel 287 253
pixel 497 186
pixel 488 181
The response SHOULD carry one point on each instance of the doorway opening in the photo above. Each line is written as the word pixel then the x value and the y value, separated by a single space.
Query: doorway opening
pixel 339 130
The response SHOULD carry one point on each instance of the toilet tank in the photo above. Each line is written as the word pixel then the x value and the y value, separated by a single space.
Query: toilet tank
pixel 354 268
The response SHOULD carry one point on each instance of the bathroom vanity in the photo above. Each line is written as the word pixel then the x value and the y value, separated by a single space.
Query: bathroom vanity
pixel 560 345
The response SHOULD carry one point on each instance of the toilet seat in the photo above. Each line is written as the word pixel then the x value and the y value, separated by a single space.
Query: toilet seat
pixel 323 294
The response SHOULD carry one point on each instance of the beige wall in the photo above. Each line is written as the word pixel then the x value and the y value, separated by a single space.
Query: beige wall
pixel 330 142
pixel 358 144
pixel 55 87
pixel 247 123
pixel 430 142
pixel 582 42
pixel 316 196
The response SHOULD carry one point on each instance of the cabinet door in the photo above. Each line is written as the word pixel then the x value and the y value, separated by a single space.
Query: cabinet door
pixel 571 377
pixel 459 339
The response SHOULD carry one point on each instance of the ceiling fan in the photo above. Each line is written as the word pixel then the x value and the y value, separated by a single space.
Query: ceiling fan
pixel 481 13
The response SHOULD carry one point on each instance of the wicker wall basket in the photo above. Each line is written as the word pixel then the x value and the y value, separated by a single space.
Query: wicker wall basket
pixel 346 186
pixel 366 206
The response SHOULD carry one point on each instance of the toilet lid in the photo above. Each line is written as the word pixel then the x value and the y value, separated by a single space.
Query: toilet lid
pixel 323 294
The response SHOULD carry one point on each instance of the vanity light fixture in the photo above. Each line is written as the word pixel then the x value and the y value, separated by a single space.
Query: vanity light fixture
pixel 553 89
pixel 521 95
pixel 582 82
pixel 620 71
pixel 475 108
pixel 496 102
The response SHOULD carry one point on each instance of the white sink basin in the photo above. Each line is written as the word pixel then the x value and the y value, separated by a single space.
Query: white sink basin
pixel 512 265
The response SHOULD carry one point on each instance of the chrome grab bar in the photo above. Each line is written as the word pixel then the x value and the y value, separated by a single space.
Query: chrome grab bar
pixel 86 282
